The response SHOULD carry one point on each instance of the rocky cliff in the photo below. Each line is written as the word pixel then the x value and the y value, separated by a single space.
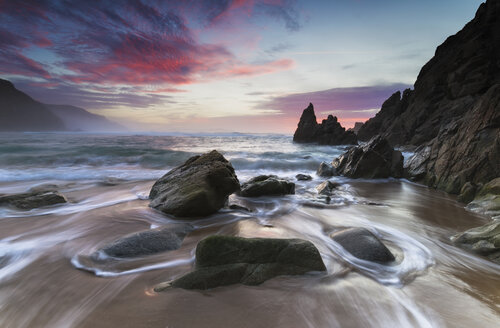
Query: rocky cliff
pixel 453 113
pixel 328 132
pixel 20 112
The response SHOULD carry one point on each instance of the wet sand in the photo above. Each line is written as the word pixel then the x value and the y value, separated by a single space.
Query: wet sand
pixel 435 284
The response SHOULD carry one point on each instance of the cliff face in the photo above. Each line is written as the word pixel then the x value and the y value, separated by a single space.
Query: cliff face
pixel 453 113
pixel 20 112
pixel 329 132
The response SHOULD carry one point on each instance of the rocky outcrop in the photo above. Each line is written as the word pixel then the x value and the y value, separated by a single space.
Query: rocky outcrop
pixel 144 243
pixel 364 245
pixel 266 185
pixel 373 160
pixel 227 260
pixel 357 126
pixel 452 114
pixel 326 170
pixel 329 132
pixel 197 188
pixel 20 112
pixel 487 199
pixel 31 200
pixel 484 240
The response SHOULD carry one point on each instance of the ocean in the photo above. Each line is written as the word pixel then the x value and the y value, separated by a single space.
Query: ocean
pixel 47 279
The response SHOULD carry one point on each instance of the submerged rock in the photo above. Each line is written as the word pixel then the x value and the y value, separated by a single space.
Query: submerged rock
pixel 143 243
pixel 31 200
pixel 303 177
pixel 487 200
pixel 484 240
pixel 329 132
pixel 326 170
pixel 266 185
pixel 376 159
pixel 199 187
pixel 239 208
pixel 364 245
pixel 327 187
pixel 227 260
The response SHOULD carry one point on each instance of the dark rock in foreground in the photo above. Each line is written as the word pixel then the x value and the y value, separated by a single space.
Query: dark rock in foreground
pixel 303 177
pixel 31 200
pixel 227 260
pixel 362 244
pixel 326 170
pixel 266 185
pixel 143 243
pixel 374 160
pixel 484 240
pixel 329 132
pixel 197 188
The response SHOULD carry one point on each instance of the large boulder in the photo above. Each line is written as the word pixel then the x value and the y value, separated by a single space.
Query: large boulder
pixel 364 245
pixel 266 185
pixel 199 187
pixel 453 112
pixel 376 159
pixel 144 243
pixel 329 132
pixel 484 240
pixel 31 200
pixel 227 260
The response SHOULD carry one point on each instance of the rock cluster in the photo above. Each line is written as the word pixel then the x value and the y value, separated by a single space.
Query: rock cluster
pixel 329 132
pixel 199 187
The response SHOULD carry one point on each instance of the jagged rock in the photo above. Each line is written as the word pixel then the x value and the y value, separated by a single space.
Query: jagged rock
pixel 362 244
pixel 227 260
pixel 329 132
pixel 143 243
pixel 31 200
pixel 197 188
pixel 327 187
pixel 326 170
pixel 303 177
pixel 453 112
pixel 356 128
pixel 376 159
pixel 484 240
pixel 266 185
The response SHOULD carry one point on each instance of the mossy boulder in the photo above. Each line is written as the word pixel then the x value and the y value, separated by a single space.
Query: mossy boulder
pixel 31 200
pixel 227 260
pixel 144 243
pixel 483 240
pixel 487 200
pixel 363 244
pixel 199 187
pixel 267 185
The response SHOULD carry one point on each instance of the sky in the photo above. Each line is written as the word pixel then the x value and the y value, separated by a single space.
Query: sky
pixel 222 65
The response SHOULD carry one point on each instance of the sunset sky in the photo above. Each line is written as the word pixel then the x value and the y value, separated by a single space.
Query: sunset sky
pixel 222 66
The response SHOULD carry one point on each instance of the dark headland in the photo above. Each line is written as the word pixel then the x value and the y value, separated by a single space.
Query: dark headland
pixel 450 120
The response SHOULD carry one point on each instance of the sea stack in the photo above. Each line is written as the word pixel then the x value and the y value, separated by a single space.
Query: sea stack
pixel 328 132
